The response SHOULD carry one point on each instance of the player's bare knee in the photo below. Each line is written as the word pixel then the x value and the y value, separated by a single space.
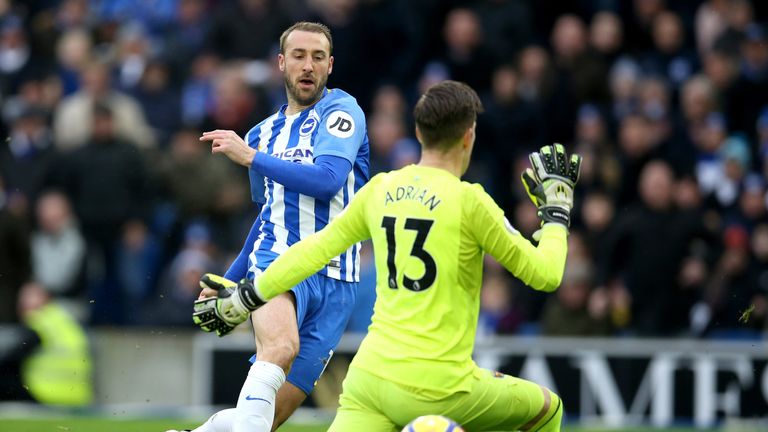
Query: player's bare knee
pixel 281 353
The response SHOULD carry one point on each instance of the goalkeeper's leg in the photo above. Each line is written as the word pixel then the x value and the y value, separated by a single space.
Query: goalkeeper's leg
pixel 503 402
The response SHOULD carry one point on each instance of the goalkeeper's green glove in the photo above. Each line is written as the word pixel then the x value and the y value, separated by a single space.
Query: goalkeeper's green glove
pixel 551 181
pixel 231 306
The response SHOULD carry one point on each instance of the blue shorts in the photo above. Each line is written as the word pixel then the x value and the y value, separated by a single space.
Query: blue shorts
pixel 323 308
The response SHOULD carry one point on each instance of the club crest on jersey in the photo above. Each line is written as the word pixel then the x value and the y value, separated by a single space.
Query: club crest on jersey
pixel 340 124
pixel 308 126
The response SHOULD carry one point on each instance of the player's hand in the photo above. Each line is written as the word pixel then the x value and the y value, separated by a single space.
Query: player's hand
pixel 230 144
pixel 230 307
pixel 550 182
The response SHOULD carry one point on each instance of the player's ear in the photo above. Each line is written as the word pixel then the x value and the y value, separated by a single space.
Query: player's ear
pixel 330 65
pixel 281 62
pixel 469 137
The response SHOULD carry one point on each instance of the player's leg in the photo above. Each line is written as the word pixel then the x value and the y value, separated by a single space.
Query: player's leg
pixel 219 422
pixel 289 398
pixel 277 343
pixel 325 317
pixel 503 402
pixel 360 405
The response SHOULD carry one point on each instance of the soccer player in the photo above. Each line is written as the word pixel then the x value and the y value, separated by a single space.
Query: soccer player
pixel 309 159
pixel 430 231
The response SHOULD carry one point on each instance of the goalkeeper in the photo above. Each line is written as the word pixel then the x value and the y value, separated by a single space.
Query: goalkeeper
pixel 430 231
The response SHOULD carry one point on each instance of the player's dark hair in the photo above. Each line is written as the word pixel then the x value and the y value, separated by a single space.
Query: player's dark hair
pixel 312 27
pixel 445 112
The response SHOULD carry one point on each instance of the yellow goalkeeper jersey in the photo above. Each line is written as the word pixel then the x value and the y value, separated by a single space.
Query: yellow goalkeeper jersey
pixel 430 231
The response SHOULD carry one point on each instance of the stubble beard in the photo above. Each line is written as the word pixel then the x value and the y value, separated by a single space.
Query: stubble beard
pixel 295 94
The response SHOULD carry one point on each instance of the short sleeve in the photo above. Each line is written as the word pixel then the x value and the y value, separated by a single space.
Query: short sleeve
pixel 342 130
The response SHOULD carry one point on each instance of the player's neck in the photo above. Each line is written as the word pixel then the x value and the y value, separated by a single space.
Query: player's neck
pixel 294 107
pixel 451 161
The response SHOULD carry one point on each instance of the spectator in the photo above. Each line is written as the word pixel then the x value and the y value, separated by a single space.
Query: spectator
pixel 186 37
pixel 197 91
pixel 28 161
pixel 568 313
pixel 465 56
pixel 50 361
pixel 216 192
pixel 623 79
pixel 133 52
pixel 597 216
pixel 698 99
pixel 234 106
pixel 722 69
pixel 499 313
pixel 637 148
pixel 644 252
pixel 579 69
pixel 739 16
pixel 106 179
pixel 606 36
pixel 160 102
pixel 58 247
pixel 74 51
pixel 512 127
pixel 73 120
pixel 751 90
pixel 711 22
pixel 17 60
pixel 669 58
pixel 600 168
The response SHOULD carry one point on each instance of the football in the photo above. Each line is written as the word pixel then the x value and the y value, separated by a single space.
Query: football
pixel 432 423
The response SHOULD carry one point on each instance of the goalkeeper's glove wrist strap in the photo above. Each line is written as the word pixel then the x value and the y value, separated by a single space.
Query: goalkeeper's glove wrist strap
pixel 555 214
pixel 248 296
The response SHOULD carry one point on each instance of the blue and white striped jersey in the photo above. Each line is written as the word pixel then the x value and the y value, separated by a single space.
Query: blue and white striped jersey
pixel 334 126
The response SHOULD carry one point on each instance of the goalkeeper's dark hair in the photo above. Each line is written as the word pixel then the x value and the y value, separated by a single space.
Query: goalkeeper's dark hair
pixel 312 27
pixel 445 112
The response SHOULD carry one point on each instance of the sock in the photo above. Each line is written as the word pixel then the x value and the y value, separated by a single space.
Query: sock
pixel 256 403
pixel 219 422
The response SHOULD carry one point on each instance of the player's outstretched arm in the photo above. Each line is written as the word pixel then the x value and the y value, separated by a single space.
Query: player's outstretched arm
pixel 306 257
pixel 551 189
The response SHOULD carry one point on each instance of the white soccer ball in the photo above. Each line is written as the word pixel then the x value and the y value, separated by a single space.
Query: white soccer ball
pixel 432 423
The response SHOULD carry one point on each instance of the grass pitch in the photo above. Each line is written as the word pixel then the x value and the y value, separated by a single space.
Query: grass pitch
pixel 97 424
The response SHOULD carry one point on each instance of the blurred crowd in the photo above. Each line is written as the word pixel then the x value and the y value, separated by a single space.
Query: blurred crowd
pixel 110 202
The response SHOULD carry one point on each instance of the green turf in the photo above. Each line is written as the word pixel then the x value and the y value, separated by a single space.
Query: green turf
pixel 77 424
pixel 110 425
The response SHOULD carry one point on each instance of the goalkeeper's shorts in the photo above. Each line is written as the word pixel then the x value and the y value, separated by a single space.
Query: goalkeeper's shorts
pixel 323 308
pixel 495 402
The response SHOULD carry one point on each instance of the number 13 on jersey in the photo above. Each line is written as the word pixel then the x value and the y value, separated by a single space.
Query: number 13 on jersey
pixel 421 227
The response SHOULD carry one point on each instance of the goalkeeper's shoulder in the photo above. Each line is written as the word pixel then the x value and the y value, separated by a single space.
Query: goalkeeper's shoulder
pixel 474 197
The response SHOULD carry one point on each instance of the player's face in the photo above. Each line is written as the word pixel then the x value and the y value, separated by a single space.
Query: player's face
pixel 306 65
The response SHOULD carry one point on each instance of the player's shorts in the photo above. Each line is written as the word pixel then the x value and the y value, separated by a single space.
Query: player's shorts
pixel 496 402
pixel 323 308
